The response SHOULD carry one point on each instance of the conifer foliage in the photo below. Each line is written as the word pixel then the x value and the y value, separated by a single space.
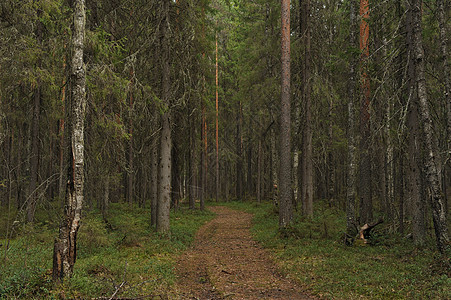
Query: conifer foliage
pixel 161 103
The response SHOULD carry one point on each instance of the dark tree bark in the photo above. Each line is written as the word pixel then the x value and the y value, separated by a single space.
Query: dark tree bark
pixel 203 158
pixel 285 193
pixel 351 226
pixel 239 152
pixel 130 167
pixel 259 172
pixel 34 151
pixel 432 172
pixel 154 178
pixel 192 160
pixel 65 248
pixel 307 153
pixel 217 122
pixel 414 176
pixel 443 30
pixel 34 155
pixel 441 13
pixel 164 197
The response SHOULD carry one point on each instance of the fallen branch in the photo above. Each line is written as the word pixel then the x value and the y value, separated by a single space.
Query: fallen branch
pixel 365 230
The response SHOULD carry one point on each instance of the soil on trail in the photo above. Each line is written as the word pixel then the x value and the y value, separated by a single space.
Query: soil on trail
pixel 226 263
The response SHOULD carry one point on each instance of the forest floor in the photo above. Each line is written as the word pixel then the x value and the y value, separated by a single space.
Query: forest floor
pixel 226 263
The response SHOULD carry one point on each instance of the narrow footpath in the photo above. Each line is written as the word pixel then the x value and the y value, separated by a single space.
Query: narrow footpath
pixel 226 263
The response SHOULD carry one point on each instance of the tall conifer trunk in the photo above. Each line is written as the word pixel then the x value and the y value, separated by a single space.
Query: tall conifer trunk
pixel 352 161
pixel 366 205
pixel 414 171
pixel 285 203
pixel 432 172
pixel 441 13
pixel 164 197
pixel 307 153
pixel 34 151
pixel 217 122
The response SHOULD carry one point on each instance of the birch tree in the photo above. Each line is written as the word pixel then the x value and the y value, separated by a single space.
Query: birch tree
pixel 65 248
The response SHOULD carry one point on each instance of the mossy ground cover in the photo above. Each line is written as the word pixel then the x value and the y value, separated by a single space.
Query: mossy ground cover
pixel 312 252
pixel 124 255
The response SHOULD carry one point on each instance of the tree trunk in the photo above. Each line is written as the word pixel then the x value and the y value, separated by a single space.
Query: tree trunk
pixel 285 194
pixel 366 205
pixel 62 177
pixel 307 153
pixel 217 122
pixel 164 197
pixel 130 169
pixel 351 226
pixel 274 168
pixel 239 161
pixel 441 13
pixel 65 248
pixel 259 171
pixel 249 182
pixel 389 169
pixel 203 158
pixel 106 197
pixel 34 155
pixel 432 172
pixel 414 182
pixel 192 160
pixel 154 177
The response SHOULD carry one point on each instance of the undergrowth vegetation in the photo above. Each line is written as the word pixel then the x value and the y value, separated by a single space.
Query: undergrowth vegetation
pixel 313 253
pixel 121 255
pixel 124 256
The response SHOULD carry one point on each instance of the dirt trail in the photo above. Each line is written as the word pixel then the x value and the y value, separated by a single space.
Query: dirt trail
pixel 226 263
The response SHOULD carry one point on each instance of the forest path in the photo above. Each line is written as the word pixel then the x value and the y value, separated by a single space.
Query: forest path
pixel 226 263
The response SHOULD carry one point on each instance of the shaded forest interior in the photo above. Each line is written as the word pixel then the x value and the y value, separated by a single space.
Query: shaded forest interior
pixel 158 105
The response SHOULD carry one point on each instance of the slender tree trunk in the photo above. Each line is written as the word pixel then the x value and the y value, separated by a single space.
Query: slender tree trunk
pixel 61 187
pixel 416 196
pixel 259 172
pixel 249 183
pixel 164 197
pixel 432 172
pixel 130 171
pixel 443 30
pixel 414 182
pixel 307 154
pixel 34 154
pixel 34 157
pixel 285 205
pixel 389 167
pixel 401 189
pixel 106 197
pixel 330 156
pixel 65 248
pixel 239 161
pixel 217 122
pixel 441 13
pixel 154 178
pixel 191 162
pixel 203 158
pixel 274 168
pixel 351 226
pixel 175 169
pixel 366 205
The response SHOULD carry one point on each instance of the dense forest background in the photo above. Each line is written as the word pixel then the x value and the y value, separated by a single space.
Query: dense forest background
pixel 193 88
